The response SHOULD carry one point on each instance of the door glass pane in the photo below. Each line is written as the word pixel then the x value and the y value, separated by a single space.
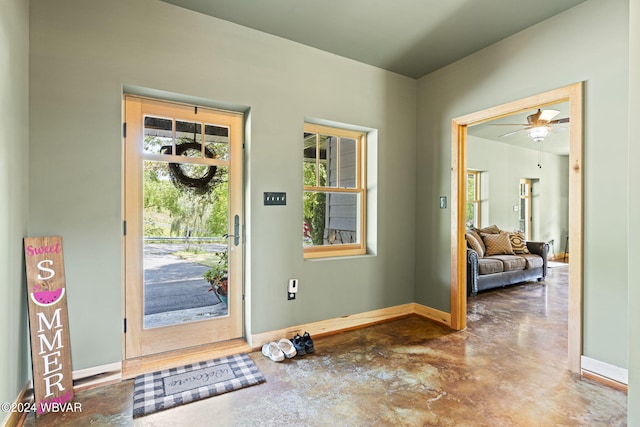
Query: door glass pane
pixel 158 135
pixel 217 141
pixel 188 139
pixel 184 242
pixel 330 218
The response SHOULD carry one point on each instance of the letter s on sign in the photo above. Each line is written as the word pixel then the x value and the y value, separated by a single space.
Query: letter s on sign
pixel 42 268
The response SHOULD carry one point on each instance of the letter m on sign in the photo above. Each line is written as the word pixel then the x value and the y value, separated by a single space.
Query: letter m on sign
pixel 48 321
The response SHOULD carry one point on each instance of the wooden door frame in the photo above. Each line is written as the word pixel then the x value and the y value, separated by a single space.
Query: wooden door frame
pixel 133 348
pixel 574 95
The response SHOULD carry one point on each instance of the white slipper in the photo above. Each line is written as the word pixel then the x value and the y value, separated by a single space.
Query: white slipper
pixel 287 348
pixel 273 352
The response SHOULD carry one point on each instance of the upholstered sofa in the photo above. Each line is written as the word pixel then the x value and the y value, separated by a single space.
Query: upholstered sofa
pixel 497 258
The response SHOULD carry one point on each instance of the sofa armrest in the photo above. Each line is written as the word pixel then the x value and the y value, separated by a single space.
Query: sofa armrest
pixel 542 249
pixel 472 272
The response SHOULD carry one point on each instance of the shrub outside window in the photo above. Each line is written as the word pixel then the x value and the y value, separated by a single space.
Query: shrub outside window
pixel 334 219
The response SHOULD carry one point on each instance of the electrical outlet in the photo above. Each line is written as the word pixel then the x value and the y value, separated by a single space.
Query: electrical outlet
pixel 292 289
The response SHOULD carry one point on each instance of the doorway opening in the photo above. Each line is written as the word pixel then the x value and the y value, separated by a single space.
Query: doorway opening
pixel 573 95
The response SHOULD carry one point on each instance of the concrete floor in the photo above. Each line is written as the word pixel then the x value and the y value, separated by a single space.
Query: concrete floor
pixel 508 368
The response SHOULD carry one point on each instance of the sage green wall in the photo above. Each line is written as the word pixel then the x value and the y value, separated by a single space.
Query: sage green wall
pixel 588 43
pixel 83 53
pixel 506 165
pixel 14 154
pixel 633 400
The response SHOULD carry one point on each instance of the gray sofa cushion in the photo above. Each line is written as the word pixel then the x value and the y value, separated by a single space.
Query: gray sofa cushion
pixel 510 262
pixel 533 261
pixel 489 266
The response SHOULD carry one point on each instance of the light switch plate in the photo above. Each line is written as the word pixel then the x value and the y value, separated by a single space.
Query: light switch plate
pixel 274 198
pixel 443 202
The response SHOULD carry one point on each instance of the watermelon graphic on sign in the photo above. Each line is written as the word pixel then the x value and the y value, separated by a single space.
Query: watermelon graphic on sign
pixel 45 297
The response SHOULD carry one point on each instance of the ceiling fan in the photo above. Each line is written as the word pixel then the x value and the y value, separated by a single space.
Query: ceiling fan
pixel 539 125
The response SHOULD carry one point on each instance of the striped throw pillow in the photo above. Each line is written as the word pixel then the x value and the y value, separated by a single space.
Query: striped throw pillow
pixel 518 243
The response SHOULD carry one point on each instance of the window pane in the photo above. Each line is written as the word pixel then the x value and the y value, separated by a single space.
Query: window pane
pixel 188 139
pixel 471 186
pixel 472 215
pixel 309 159
pixel 217 141
pixel 348 169
pixel 158 134
pixel 330 218
pixel 326 145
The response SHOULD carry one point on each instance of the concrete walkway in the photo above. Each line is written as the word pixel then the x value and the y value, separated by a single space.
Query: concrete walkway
pixel 175 291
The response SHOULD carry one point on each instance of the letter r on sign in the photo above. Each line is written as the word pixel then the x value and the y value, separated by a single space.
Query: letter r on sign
pixel 50 381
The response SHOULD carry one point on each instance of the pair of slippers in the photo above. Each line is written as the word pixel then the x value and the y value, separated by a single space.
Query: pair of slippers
pixel 282 349
pixel 278 351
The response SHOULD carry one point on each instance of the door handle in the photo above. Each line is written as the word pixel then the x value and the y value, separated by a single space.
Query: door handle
pixel 236 230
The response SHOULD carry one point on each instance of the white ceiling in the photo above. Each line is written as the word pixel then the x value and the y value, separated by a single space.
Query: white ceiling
pixel 409 37
pixel 557 142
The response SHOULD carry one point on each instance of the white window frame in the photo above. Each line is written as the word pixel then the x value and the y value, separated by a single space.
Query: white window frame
pixel 475 201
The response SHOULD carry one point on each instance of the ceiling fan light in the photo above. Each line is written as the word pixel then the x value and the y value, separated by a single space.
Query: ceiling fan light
pixel 538 134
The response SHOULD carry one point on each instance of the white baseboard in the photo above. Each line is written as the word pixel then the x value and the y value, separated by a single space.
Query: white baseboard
pixel 110 368
pixel 605 370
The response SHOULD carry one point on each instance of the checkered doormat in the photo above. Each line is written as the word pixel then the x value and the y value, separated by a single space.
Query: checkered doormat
pixel 173 387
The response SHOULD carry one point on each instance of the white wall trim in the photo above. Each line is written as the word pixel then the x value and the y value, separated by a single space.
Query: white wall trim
pixel 114 368
pixel 606 370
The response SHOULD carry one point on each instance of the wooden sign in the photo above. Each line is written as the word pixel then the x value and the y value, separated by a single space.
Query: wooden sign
pixel 49 323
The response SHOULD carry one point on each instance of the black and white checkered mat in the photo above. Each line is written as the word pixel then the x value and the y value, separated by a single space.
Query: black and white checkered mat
pixel 173 387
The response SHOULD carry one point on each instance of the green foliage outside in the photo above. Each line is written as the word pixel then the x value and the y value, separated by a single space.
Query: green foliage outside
pixel 315 202
pixel 471 195
pixel 174 211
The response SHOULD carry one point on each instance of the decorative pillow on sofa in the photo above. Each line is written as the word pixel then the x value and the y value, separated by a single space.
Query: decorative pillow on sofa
pixel 492 229
pixel 518 242
pixel 474 244
pixel 475 234
pixel 497 244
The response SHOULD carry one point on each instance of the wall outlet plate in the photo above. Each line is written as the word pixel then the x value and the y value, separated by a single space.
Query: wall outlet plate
pixel 292 289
